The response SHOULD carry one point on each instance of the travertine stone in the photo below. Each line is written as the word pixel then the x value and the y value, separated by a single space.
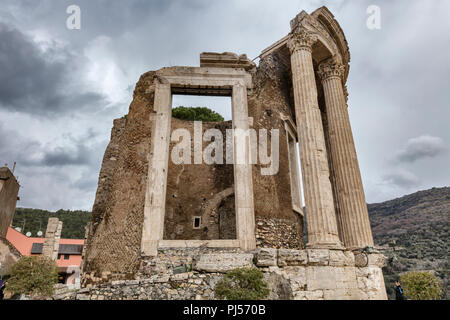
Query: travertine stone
pixel 322 226
pixel 155 197
pixel 222 262
pixel 320 277
pixel 266 257
pixel 340 258
pixel 377 260
pixel 371 282
pixel 225 60
pixel 292 257
pixel 352 215
pixel 245 216
pixel 296 276
pixel 320 257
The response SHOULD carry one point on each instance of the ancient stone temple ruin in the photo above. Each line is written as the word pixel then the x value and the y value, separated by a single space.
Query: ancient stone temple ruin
pixel 157 222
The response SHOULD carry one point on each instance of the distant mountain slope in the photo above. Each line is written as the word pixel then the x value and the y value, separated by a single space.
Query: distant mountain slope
pixel 417 226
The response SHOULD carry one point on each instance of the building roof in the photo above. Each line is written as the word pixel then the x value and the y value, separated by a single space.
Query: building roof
pixel 28 246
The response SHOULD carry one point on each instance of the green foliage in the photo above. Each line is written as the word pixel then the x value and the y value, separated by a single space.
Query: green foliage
pixel 421 286
pixel 33 275
pixel 74 222
pixel 196 114
pixel 242 284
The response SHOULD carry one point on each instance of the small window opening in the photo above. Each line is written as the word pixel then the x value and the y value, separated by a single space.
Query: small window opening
pixel 197 222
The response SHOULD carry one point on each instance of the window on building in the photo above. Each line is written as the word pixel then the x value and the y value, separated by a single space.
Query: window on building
pixel 66 257
pixel 59 256
pixel 197 222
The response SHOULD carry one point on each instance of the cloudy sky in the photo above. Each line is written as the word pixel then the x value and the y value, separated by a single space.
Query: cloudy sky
pixel 60 89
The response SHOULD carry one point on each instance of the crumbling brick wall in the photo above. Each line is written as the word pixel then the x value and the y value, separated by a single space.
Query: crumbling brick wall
pixel 9 188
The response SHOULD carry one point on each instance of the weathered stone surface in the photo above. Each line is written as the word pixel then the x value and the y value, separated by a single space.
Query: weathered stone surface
pixel 377 260
pixel 222 262
pixel 371 282
pixel 292 257
pixel 342 294
pixel 280 287
pixel 319 257
pixel 266 257
pixel 320 277
pixel 9 189
pixel 341 258
pixel 296 276
pixel 345 277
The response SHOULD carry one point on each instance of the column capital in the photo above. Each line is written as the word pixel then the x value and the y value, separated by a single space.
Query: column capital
pixel 301 39
pixel 330 68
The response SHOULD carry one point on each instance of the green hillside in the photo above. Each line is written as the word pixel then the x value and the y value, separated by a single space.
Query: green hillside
pixel 33 220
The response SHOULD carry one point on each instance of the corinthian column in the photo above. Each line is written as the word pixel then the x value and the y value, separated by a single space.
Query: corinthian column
pixel 320 213
pixel 352 216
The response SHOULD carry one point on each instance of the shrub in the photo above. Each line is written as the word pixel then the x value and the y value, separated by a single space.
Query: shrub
pixel 35 275
pixel 196 114
pixel 421 286
pixel 242 284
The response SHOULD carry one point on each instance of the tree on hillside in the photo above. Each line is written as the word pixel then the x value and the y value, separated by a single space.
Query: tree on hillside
pixel 196 114
pixel 33 275
pixel 421 286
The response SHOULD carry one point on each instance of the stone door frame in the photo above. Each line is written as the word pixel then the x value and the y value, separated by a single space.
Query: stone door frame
pixel 198 81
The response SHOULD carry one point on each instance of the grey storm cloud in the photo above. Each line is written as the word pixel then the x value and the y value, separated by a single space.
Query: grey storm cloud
pixel 38 82
pixel 401 178
pixel 33 153
pixel 424 146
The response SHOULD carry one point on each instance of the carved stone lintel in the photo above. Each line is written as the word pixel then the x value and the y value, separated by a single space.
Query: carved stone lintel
pixel 330 68
pixel 301 39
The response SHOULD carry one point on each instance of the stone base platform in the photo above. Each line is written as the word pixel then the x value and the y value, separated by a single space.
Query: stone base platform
pixel 192 273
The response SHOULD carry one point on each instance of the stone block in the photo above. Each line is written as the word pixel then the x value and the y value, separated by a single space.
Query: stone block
pixel 266 257
pixel 346 277
pixel 349 259
pixel 314 295
pixel 292 257
pixel 222 262
pixel 342 294
pixel 296 276
pixel 308 295
pixel 371 282
pixel 377 260
pixel 320 278
pixel 180 276
pixel 318 257
pixel 339 258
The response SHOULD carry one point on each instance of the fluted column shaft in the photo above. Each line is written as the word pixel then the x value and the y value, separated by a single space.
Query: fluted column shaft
pixel 320 213
pixel 353 216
